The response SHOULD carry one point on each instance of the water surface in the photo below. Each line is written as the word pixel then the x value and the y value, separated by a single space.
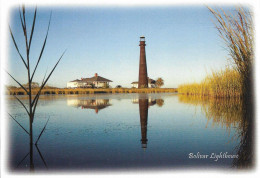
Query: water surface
pixel 124 131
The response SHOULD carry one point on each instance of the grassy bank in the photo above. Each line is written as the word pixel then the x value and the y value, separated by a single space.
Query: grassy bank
pixel 236 30
pixel 222 84
pixel 19 91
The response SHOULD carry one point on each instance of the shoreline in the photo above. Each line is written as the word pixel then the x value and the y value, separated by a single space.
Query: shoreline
pixel 78 91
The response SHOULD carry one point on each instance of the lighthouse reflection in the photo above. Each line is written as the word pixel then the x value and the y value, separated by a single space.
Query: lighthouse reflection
pixel 143 100
pixel 144 103
pixel 143 111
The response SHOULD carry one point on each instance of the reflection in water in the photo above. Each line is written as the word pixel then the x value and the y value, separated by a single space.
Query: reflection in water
pixel 227 113
pixel 117 141
pixel 245 149
pixel 160 102
pixel 31 157
pixel 96 104
pixel 143 111
pixel 230 113
pixel 151 101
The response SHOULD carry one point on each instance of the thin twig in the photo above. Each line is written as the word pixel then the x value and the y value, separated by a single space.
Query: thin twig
pixel 17 82
pixel 41 156
pixel 42 131
pixel 39 92
pixel 43 47
pixel 22 104
pixel 35 106
pixel 22 160
pixel 19 124
pixel 21 17
pixel 17 49
pixel 34 18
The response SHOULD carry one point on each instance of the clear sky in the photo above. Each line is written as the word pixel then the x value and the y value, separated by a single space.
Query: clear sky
pixel 182 43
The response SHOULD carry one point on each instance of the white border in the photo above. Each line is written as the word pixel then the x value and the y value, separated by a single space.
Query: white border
pixel 5 13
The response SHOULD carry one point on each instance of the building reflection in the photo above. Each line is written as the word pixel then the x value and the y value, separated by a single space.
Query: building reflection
pixel 151 101
pixel 95 104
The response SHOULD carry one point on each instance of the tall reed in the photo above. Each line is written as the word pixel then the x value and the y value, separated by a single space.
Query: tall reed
pixel 224 83
pixel 236 30
pixel 30 108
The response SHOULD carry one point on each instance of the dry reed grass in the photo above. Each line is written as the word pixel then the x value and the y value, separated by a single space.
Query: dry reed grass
pixel 225 83
pixel 19 91
pixel 237 31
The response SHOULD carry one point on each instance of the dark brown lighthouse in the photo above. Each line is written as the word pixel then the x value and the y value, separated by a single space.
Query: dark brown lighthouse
pixel 143 79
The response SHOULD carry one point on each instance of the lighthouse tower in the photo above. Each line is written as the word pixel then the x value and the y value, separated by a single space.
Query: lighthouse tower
pixel 143 79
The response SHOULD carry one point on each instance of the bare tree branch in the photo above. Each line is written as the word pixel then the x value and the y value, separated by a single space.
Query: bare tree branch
pixel 39 92
pixel 43 47
pixel 17 49
pixel 35 106
pixel 34 18
pixel 24 29
pixel 18 123
pixel 22 160
pixel 18 83
pixel 41 156
pixel 42 131
pixel 22 105
pixel 21 18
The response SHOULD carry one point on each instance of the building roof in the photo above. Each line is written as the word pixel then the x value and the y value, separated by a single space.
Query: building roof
pixel 96 79
pixel 134 83
pixel 77 80
pixel 99 107
pixel 151 81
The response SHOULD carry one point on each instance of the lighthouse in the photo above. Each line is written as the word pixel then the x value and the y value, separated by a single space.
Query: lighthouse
pixel 143 79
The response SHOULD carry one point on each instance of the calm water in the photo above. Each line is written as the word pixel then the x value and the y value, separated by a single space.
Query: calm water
pixel 108 131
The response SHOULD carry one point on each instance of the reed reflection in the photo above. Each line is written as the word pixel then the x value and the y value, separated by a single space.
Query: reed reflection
pixel 32 145
pixel 31 157
pixel 230 113
pixel 246 133
pixel 95 104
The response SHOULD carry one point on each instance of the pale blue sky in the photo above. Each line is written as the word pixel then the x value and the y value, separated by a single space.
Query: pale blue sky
pixel 182 43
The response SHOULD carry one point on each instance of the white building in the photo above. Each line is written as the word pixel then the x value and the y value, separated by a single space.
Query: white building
pixel 151 83
pixel 73 84
pixel 93 82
